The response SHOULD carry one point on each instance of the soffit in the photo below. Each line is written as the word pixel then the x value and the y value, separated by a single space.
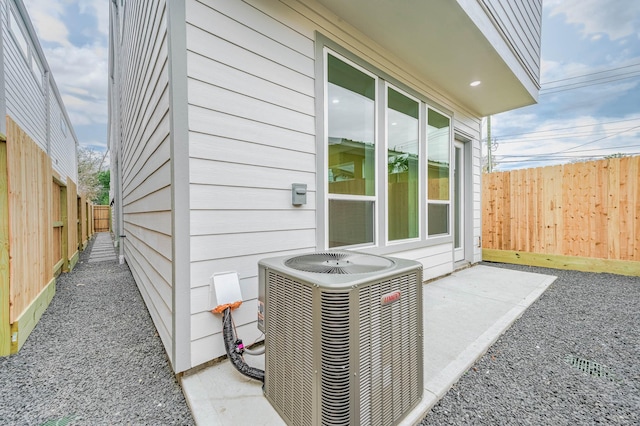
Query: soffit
pixel 439 40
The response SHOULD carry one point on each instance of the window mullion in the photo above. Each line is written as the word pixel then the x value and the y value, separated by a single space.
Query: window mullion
pixel 383 143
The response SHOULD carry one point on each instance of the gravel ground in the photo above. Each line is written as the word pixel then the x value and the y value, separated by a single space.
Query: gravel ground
pixel 93 359
pixel 525 379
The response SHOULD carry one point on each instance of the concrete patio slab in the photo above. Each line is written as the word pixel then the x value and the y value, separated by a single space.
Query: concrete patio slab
pixel 464 314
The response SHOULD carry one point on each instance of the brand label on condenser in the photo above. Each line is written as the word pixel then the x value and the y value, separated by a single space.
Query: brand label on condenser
pixel 389 298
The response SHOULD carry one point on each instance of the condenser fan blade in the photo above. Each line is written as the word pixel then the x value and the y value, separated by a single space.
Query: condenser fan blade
pixel 339 263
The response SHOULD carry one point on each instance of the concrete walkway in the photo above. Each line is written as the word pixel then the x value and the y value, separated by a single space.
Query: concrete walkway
pixel 102 249
pixel 464 314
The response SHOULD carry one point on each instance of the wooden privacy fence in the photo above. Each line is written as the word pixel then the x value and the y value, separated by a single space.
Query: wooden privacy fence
pixel 583 216
pixel 42 229
pixel 101 218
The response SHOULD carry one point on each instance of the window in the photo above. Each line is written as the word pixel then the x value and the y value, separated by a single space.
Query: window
pixel 387 154
pixel 36 68
pixel 438 149
pixel 403 167
pixel 27 50
pixel 351 126
pixel 63 125
pixel 18 35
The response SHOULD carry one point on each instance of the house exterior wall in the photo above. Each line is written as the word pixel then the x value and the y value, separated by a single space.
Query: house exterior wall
pixel 24 90
pixel 520 24
pixel 216 108
pixel 514 29
pixel 62 144
pixel 252 131
pixel 140 145
pixel 31 96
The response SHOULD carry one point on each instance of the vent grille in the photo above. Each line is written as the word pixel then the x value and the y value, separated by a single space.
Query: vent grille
pixel 390 345
pixel 335 357
pixel 290 369
pixel 339 263
pixel 343 356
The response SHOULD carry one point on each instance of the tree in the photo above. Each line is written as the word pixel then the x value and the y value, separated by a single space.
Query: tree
pixel 90 165
pixel 616 155
pixel 104 179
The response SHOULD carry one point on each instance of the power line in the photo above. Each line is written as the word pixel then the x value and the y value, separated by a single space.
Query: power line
pixel 524 140
pixel 593 73
pixel 588 84
pixel 566 128
pixel 537 160
pixel 633 73
pixel 598 140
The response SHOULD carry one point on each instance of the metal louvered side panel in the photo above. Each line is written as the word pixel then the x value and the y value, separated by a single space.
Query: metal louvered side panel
pixel 390 364
pixel 289 349
pixel 335 359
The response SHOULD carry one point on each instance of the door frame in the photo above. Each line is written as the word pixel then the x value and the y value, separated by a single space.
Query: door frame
pixel 463 254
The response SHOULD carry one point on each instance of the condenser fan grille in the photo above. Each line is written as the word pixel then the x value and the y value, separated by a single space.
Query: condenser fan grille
pixel 339 263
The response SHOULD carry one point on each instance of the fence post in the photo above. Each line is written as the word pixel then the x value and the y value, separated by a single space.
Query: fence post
pixel 5 327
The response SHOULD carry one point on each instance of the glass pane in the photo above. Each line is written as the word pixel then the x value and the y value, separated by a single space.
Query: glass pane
pixel 402 164
pixel 18 34
pixel 350 222
pixel 351 127
pixel 438 156
pixel 438 215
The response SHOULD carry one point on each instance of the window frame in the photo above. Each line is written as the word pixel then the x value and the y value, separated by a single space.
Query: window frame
pixel 421 175
pixel 21 40
pixel 448 201
pixel 376 140
pixel 382 244
pixel 26 47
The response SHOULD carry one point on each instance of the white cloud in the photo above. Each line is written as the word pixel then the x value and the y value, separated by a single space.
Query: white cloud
pixel 562 140
pixel 80 71
pixel 46 16
pixel 100 9
pixel 81 76
pixel 615 18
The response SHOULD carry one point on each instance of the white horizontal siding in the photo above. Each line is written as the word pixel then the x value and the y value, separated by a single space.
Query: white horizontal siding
pixel 216 123
pixel 231 245
pixel 32 101
pixel 245 265
pixel 251 87
pixel 146 165
pixel 24 94
pixel 210 147
pixel 62 144
pixel 201 349
pixel 520 22
pixel 215 222
pixel 267 112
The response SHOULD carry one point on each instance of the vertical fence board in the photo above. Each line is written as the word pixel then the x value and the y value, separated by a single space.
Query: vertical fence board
pixel 587 209
pixel 29 174
pixel 5 328
pixel 630 209
pixel 72 218
pixel 101 218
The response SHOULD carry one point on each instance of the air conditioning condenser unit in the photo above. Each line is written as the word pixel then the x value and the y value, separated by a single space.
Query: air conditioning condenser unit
pixel 343 335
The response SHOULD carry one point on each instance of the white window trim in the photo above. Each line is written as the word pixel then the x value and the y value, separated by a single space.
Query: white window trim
pixel 27 51
pixel 382 245
pixel 448 202
pixel 421 175
pixel 376 140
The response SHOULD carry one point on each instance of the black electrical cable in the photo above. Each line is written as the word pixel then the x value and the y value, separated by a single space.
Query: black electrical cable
pixel 232 351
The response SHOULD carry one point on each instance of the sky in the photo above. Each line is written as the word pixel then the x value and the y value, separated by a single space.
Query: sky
pixel 74 37
pixel 589 104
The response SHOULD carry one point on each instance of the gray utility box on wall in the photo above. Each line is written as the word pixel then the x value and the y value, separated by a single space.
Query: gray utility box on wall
pixel 343 335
